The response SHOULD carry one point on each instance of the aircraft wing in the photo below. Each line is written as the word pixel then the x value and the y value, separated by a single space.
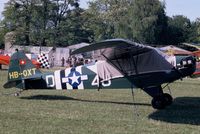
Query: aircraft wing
pixel 129 58
pixel 115 44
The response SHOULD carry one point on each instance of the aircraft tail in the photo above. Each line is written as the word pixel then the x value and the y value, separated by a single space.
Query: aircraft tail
pixel 21 69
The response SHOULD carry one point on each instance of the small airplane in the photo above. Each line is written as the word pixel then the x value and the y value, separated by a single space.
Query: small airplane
pixel 5 60
pixel 121 64
pixel 197 55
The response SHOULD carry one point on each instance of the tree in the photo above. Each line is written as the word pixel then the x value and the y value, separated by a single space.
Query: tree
pixel 18 16
pixel 3 32
pixel 65 23
pixel 45 22
pixel 196 28
pixel 193 34
pixel 109 19
pixel 179 29
pixel 148 21
pixel 140 20
pixel 60 13
pixel 74 29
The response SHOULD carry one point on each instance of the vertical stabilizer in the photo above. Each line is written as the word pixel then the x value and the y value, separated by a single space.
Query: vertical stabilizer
pixel 20 69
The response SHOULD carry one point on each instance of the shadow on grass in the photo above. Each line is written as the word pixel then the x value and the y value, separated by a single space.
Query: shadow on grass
pixel 184 110
pixel 56 97
pixel 47 97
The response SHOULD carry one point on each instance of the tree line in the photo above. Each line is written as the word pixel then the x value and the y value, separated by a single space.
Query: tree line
pixel 63 22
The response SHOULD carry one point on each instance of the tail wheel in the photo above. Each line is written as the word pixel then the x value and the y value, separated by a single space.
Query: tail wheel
pixel 16 94
pixel 158 102
pixel 167 99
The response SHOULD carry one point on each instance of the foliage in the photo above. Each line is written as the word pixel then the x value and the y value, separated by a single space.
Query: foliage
pixel 139 20
pixel 110 19
pixel 73 30
pixel 148 21
pixel 195 37
pixel 45 22
pixel 3 32
pixel 63 22
pixel 179 29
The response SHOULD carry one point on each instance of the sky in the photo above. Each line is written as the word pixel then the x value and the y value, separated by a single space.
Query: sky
pixel 188 8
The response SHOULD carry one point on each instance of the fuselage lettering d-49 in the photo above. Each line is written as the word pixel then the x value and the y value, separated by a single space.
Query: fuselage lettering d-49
pixel 95 82
pixel 53 81
pixel 24 73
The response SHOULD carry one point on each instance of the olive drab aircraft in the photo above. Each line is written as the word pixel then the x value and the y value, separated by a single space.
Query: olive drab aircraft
pixel 121 64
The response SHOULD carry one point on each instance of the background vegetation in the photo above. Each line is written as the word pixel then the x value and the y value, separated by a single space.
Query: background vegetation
pixel 63 22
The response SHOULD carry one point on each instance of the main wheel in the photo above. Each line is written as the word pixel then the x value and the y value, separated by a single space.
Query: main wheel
pixel 167 99
pixel 16 94
pixel 158 102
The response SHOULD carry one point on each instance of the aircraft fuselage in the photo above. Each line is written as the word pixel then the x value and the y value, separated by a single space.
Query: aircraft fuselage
pixel 86 77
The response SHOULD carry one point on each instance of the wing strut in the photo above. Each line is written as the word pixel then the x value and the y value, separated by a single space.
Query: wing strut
pixel 120 69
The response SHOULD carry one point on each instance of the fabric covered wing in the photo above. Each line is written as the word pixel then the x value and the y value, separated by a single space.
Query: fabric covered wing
pixel 112 44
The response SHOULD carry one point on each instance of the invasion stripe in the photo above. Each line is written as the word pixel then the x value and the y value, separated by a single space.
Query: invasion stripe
pixel 58 80
pixel 62 75
pixel 67 72
pixel 79 69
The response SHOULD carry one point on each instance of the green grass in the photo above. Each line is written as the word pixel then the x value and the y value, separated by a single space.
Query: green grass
pixel 93 112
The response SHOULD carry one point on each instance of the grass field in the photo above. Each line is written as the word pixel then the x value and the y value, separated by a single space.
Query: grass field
pixel 104 112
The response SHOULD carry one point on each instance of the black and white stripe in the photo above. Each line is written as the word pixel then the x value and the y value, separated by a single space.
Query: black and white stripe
pixel 62 79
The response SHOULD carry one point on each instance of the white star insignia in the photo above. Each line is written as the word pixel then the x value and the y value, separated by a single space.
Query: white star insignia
pixel 74 78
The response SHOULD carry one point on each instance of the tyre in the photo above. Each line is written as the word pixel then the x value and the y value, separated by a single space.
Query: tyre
pixel 158 102
pixel 167 99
